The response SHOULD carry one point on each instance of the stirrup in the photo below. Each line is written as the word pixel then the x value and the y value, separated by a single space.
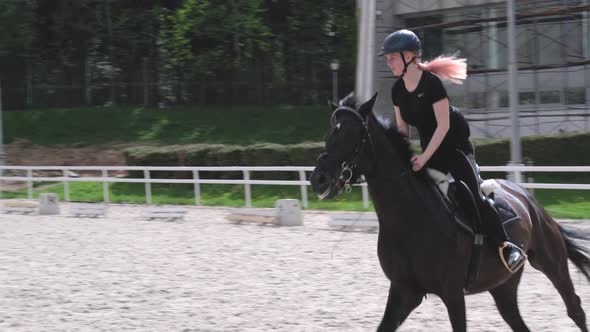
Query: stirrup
pixel 507 244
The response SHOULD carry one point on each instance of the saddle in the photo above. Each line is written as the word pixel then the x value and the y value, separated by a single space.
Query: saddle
pixel 460 201
pixel 461 204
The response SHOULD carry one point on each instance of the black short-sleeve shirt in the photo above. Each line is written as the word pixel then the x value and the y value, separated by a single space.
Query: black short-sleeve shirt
pixel 416 106
pixel 416 109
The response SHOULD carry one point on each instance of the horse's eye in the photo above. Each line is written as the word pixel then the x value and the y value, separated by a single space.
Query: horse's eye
pixel 338 125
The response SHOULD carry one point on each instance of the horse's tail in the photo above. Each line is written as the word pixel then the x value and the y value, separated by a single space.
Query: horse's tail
pixel 576 252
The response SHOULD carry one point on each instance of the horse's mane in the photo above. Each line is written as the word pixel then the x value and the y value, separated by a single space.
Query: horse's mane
pixel 417 180
pixel 398 141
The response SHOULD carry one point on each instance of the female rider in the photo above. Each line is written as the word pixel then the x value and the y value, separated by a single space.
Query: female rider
pixel 421 100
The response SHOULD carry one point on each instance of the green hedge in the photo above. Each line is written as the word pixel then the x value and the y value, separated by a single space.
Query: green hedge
pixel 303 154
pixel 561 150
pixel 558 150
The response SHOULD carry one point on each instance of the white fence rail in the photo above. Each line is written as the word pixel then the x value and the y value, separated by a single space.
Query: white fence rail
pixel 196 181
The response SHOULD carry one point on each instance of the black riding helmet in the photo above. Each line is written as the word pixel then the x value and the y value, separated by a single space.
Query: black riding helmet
pixel 400 41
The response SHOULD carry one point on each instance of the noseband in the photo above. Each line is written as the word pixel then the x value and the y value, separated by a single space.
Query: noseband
pixel 347 168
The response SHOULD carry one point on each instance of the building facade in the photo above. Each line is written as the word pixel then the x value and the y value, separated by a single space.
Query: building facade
pixel 552 51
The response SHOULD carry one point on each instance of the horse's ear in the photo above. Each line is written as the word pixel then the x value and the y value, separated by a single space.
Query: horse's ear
pixel 367 107
pixel 333 106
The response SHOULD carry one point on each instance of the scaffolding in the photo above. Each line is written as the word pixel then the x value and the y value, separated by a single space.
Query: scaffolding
pixel 552 52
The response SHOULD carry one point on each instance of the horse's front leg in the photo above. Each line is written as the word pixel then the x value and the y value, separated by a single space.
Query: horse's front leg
pixel 401 301
pixel 455 303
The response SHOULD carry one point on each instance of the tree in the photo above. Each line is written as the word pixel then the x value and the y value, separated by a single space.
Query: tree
pixel 313 33
pixel 205 40
pixel 15 46
pixel 95 51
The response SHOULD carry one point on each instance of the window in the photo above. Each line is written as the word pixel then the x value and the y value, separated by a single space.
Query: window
pixel 504 98
pixel 526 98
pixel 550 45
pixel 575 96
pixel 573 31
pixel 432 41
pixel 476 100
pixel 550 97
pixel 458 101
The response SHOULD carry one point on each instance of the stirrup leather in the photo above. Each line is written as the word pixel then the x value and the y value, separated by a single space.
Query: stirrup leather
pixel 501 252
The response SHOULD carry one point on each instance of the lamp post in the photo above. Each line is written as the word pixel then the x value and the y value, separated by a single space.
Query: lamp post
pixel 335 65
pixel 1 140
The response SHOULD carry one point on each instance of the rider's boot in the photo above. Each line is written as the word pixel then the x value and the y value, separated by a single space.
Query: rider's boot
pixel 465 168
pixel 513 257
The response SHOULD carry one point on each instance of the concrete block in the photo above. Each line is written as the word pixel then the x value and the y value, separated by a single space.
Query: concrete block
pixel 289 212
pixel 48 204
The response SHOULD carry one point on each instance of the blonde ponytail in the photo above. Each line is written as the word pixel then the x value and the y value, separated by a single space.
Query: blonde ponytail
pixel 446 67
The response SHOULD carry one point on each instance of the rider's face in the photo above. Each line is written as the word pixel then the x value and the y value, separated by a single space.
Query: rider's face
pixel 395 63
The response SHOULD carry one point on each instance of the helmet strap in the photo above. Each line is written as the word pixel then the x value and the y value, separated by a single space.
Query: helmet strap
pixel 406 64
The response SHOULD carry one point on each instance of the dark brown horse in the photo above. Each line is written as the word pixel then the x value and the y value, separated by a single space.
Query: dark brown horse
pixel 421 248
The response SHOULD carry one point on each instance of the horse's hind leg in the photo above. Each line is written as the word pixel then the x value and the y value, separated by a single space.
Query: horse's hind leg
pixel 551 259
pixel 506 300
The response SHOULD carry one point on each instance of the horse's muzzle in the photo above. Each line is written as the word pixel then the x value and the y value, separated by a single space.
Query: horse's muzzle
pixel 324 185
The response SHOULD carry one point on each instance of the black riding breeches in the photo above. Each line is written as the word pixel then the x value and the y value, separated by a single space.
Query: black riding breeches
pixel 462 170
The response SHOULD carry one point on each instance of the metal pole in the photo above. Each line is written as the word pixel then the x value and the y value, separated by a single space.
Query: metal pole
pixel 105 186
pixel 536 55
pixel 335 86
pixel 30 183
pixel 148 186
pixel 366 49
pixel 197 188
pixel 303 189
pixel 370 60
pixel 361 49
pixel 586 44
pixel 247 192
pixel 66 185
pixel 365 192
pixel 515 150
pixel 1 139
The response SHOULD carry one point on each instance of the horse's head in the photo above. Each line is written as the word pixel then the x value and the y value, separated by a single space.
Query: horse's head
pixel 346 155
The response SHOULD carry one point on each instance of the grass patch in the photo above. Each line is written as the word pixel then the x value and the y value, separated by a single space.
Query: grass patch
pixel 211 195
pixel 574 204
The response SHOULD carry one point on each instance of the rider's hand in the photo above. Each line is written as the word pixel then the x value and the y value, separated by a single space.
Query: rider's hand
pixel 418 161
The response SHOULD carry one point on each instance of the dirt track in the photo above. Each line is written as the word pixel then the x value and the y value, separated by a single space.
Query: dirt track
pixel 122 273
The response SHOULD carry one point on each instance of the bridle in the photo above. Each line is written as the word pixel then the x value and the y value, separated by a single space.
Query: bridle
pixel 347 168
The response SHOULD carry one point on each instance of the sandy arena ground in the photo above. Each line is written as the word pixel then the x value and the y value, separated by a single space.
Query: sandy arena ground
pixel 122 273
